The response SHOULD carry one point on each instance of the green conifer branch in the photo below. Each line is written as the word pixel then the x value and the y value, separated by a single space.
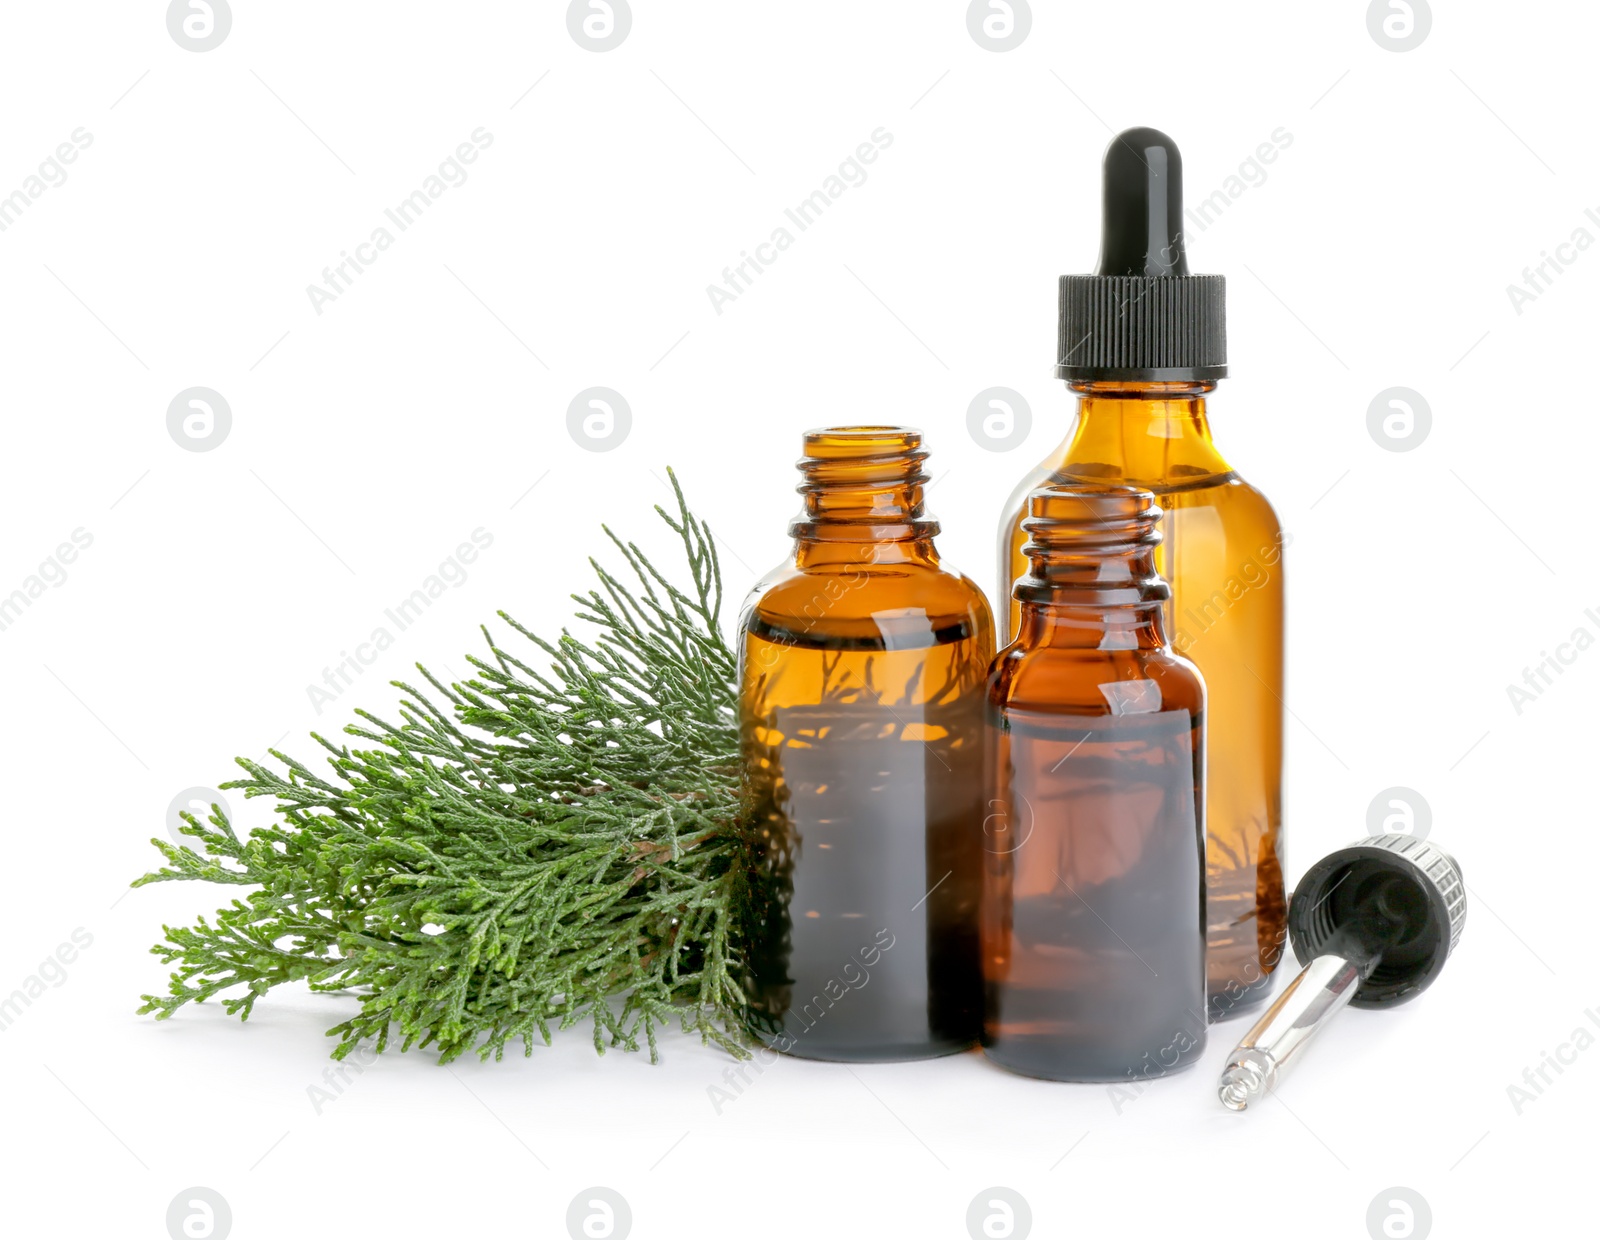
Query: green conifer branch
pixel 544 850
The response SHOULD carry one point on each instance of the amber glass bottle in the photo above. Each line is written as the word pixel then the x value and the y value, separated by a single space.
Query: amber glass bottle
pixel 862 663
pixel 1142 343
pixel 1094 934
pixel 1222 554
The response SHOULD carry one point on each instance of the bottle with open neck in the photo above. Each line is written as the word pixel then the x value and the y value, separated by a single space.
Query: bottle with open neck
pixel 862 661
pixel 1094 936
pixel 1142 344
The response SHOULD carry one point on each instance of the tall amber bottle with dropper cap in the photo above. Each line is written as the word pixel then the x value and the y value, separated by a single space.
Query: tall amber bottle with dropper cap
pixel 862 662
pixel 1142 343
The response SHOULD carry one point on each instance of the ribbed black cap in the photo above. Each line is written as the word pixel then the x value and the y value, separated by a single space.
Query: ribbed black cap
pixel 1413 891
pixel 1142 316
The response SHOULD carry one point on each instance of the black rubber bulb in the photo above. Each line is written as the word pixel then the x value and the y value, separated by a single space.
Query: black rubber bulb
pixel 1142 233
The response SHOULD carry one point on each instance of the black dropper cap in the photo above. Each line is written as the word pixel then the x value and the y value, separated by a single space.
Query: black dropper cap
pixel 1142 316
pixel 1373 924
pixel 1393 905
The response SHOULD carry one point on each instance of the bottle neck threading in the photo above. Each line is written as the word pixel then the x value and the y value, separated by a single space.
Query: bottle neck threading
pixel 862 492
pixel 1092 580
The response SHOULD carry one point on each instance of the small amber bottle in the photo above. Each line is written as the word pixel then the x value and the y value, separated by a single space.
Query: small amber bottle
pixel 862 664
pixel 1142 343
pixel 1094 887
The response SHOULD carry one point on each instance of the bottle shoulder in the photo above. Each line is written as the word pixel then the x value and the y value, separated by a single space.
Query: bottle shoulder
pixel 1036 477
pixel 1252 500
pixel 864 589
pixel 1077 680
pixel 1159 445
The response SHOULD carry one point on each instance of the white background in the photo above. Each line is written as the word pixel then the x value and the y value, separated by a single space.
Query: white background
pixel 369 440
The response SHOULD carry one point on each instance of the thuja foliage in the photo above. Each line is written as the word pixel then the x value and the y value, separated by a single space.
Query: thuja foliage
pixel 523 851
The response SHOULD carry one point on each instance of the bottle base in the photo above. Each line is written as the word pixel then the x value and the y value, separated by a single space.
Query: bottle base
pixel 875 1052
pixel 1049 1064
